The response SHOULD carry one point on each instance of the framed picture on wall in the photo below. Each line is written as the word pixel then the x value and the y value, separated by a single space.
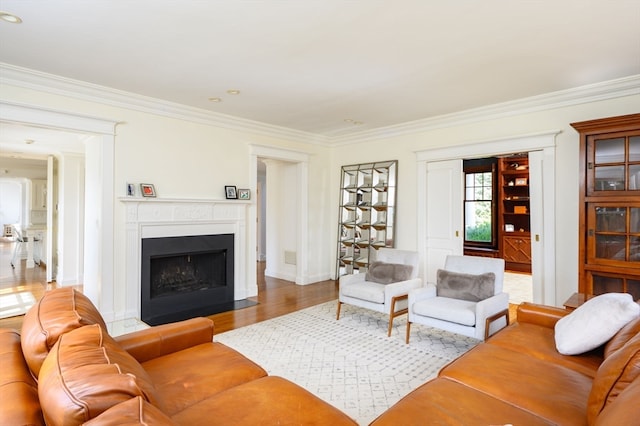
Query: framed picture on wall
pixel 244 194
pixel 230 192
pixel 147 190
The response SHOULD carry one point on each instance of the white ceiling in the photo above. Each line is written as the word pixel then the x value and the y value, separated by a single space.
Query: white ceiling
pixel 310 64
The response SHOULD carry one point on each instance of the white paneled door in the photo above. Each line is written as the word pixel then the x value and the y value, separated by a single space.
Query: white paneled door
pixel 444 233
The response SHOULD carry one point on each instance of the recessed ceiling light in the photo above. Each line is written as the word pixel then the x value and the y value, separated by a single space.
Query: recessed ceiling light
pixel 29 141
pixel 215 99
pixel 354 122
pixel 233 91
pixel 8 17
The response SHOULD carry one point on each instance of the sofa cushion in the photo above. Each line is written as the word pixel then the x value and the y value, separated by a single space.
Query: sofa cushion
pixel 458 285
pixel 621 338
pixel 133 412
pixel 624 410
pixel 387 273
pixel 57 312
pixel 537 341
pixel 186 377
pixel 19 404
pixel 555 393
pixel 614 375
pixel 85 374
pixel 438 402
pixel 594 323
pixel 267 401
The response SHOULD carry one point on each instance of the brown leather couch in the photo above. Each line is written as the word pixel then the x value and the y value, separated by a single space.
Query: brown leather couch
pixel 65 369
pixel 518 377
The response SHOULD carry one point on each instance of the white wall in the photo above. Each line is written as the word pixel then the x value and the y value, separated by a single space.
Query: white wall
pixel 189 158
pixel 10 201
pixel 403 147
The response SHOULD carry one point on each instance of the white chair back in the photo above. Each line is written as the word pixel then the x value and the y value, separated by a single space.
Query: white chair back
pixel 404 257
pixel 477 265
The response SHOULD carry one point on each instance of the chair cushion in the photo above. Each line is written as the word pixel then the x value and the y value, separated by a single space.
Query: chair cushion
pixel 369 291
pixel 57 312
pixel 446 309
pixel 594 322
pixel 458 285
pixel 387 273
pixel 85 374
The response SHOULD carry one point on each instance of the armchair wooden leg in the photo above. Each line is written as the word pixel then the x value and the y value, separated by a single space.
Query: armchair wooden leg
pixel 393 313
pixel 338 313
pixel 408 332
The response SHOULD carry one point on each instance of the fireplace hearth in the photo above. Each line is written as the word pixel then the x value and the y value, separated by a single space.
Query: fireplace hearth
pixel 185 277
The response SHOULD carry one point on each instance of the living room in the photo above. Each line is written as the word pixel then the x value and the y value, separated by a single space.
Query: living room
pixel 189 154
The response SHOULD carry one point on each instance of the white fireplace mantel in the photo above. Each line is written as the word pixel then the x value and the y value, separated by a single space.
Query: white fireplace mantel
pixel 163 217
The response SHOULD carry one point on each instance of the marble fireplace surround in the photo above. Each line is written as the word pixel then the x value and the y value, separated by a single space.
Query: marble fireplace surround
pixel 158 217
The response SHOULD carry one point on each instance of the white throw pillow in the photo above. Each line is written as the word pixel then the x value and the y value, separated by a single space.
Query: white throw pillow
pixel 594 322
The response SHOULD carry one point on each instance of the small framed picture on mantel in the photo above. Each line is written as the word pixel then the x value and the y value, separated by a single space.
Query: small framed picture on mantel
pixel 147 190
pixel 231 192
pixel 244 194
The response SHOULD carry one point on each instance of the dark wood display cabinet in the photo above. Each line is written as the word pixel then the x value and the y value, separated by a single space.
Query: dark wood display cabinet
pixel 609 246
pixel 515 223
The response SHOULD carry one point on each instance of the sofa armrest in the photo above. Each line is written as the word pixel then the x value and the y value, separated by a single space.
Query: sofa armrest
pixel 545 316
pixel 160 340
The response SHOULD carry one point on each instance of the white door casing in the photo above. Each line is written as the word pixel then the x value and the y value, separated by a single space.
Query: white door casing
pixel 541 147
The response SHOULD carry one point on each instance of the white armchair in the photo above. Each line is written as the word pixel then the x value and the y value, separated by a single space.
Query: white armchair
pixel 389 298
pixel 477 319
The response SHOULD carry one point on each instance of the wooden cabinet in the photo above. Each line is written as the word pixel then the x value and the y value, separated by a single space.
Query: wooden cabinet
pixel 367 213
pixel 610 205
pixel 517 249
pixel 515 223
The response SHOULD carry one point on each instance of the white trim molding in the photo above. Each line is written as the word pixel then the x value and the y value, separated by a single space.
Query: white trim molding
pixel 158 217
pixel 37 80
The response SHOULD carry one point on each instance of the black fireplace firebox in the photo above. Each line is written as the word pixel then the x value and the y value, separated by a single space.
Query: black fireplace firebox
pixel 185 277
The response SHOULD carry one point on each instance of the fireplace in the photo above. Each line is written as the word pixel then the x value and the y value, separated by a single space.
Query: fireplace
pixel 184 277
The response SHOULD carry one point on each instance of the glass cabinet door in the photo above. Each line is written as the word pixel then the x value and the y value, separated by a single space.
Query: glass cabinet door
pixel 614 164
pixel 614 234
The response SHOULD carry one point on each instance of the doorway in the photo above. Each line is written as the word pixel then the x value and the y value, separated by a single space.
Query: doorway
pixel 286 173
pixel 447 219
pixel 98 254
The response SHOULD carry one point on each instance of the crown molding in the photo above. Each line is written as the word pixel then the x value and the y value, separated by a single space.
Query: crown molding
pixel 50 83
pixel 626 86
pixel 32 79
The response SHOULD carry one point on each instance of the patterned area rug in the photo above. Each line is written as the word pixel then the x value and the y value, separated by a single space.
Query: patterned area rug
pixel 350 363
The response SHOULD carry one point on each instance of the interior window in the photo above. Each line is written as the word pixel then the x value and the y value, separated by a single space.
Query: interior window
pixel 480 216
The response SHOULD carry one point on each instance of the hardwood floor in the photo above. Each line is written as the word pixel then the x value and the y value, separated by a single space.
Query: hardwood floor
pixel 275 297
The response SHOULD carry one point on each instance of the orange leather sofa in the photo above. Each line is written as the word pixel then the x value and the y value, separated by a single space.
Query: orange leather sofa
pixel 518 377
pixel 65 369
